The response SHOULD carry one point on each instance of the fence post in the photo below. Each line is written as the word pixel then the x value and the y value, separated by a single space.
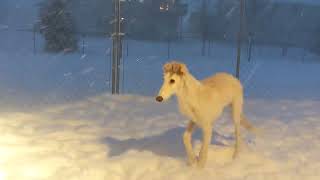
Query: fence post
pixel 250 44
pixel 116 48
pixel 169 47
pixel 34 39
pixel 127 44
pixel 204 26
pixel 240 38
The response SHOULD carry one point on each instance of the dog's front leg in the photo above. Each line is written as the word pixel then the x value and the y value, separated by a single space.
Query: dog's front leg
pixel 206 140
pixel 187 137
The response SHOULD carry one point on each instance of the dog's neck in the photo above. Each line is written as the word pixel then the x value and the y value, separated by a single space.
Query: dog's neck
pixel 190 88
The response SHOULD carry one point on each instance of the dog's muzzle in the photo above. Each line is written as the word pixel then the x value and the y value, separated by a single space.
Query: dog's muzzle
pixel 159 98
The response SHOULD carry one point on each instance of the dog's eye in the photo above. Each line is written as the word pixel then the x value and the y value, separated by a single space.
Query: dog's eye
pixel 172 81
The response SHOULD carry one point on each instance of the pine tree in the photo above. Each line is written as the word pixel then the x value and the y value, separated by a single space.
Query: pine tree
pixel 57 27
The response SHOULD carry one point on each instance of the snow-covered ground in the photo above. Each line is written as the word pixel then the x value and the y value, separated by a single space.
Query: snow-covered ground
pixel 134 138
pixel 57 120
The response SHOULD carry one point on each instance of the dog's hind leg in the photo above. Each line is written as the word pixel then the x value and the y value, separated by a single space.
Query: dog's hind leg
pixel 236 115
pixel 187 137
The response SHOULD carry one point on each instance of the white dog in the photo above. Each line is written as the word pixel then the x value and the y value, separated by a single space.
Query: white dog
pixel 203 102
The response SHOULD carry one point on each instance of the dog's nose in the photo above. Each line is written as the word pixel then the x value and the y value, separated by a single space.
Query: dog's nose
pixel 159 98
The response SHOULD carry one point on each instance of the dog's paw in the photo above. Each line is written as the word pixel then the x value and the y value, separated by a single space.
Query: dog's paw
pixel 235 154
pixel 201 164
pixel 192 162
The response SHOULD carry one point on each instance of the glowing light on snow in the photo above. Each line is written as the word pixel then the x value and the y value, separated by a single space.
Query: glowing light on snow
pixel 2 175
pixel 31 172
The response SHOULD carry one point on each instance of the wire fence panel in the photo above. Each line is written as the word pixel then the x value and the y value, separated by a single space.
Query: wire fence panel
pixel 280 47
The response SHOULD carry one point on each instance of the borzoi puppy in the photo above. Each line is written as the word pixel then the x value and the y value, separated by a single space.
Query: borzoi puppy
pixel 203 102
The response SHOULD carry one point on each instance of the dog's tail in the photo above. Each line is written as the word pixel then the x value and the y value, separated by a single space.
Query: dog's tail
pixel 246 124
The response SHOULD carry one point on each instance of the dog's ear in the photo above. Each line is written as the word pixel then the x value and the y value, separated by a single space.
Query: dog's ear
pixel 167 68
pixel 175 67
pixel 183 69
pixel 179 68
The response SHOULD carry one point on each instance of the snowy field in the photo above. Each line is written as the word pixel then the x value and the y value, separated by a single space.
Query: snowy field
pixel 59 122
pixel 134 138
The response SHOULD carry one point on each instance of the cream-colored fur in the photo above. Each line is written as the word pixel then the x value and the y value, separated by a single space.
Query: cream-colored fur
pixel 203 102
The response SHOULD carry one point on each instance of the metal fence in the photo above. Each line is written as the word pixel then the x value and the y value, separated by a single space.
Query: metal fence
pixel 204 35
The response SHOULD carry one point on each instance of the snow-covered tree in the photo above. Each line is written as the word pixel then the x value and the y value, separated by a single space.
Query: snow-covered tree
pixel 57 26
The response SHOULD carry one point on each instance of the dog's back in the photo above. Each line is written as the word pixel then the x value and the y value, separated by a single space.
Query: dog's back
pixel 227 86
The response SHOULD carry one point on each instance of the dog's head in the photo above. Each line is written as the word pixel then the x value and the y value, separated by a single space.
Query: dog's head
pixel 173 73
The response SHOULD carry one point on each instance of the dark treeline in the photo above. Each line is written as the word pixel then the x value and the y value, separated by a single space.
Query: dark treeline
pixel 266 22
pixel 149 19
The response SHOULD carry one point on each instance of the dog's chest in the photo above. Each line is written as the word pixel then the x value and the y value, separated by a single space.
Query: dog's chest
pixel 201 114
pixel 190 111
